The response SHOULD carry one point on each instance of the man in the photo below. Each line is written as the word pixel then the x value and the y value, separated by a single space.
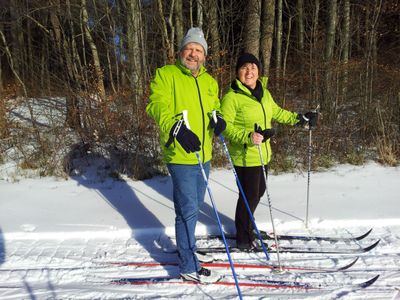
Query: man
pixel 187 86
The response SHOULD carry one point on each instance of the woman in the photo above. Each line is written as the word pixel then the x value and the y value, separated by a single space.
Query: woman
pixel 248 109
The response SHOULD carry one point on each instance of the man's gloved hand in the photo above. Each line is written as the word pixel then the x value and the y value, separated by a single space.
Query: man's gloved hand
pixel 220 126
pixel 266 133
pixel 310 118
pixel 187 138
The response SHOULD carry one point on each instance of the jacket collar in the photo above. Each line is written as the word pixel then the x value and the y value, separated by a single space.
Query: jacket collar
pixel 238 87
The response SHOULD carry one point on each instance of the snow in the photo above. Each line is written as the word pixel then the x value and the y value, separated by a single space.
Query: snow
pixel 58 236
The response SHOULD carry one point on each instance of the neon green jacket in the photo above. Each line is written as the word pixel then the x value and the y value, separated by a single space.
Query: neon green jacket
pixel 173 90
pixel 241 110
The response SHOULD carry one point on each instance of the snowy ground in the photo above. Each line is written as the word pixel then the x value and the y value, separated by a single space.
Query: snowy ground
pixel 58 237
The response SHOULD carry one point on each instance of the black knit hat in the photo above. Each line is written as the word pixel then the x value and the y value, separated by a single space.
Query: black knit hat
pixel 247 58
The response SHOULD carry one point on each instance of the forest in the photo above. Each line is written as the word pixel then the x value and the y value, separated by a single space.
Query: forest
pixel 93 61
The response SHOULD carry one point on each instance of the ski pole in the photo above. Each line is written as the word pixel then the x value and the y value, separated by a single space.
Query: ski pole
pixel 244 197
pixel 309 167
pixel 185 119
pixel 270 206
pixel 241 189
pixel 308 172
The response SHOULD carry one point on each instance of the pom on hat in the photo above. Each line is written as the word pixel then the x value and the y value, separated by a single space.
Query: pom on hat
pixel 247 58
pixel 195 35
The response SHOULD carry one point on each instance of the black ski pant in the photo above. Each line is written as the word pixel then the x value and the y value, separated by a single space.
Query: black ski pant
pixel 253 185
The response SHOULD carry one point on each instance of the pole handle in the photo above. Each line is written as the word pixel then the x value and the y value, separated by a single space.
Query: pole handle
pixel 214 116
pixel 185 118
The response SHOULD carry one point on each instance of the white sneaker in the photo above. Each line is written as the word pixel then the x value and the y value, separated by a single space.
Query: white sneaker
pixel 204 258
pixel 202 276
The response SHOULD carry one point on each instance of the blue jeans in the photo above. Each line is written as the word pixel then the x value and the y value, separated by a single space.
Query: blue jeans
pixel 188 195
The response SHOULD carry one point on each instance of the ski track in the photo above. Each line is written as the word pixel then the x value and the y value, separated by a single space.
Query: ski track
pixel 79 269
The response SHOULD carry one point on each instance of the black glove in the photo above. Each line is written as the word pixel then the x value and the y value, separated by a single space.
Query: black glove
pixel 266 133
pixel 187 138
pixel 220 126
pixel 310 118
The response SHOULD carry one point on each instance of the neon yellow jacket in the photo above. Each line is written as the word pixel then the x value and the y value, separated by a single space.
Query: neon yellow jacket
pixel 241 110
pixel 173 90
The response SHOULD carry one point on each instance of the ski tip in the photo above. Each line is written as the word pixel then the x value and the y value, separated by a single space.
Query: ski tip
pixel 363 235
pixel 349 265
pixel 366 249
pixel 369 282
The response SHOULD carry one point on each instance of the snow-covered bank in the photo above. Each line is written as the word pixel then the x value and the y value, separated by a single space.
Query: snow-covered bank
pixel 367 195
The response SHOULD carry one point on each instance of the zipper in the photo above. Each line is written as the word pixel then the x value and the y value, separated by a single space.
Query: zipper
pixel 265 125
pixel 202 117
pixel 265 117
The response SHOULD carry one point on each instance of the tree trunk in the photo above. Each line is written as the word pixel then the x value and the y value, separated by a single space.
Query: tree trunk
pixel 289 31
pixel 328 92
pixel 252 28
pixel 11 61
pixel 16 31
pixel 199 13
pixel 66 60
pixel 372 16
pixel 313 73
pixel 1 71
pixel 179 31
pixel 214 41
pixel 99 84
pixel 278 47
pixel 267 33
pixel 346 46
pixel 168 45
pixel 300 36
pixel 3 111
pixel 135 50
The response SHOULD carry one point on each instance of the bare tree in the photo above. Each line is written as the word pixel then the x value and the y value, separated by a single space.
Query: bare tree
pixel 166 38
pixel 329 100
pixel 346 45
pixel 199 13
pixel 252 27
pixel 214 40
pixel 135 48
pixel 267 32
pixel 98 72
pixel 16 42
pixel 313 74
pixel 278 41
pixel 300 34
pixel 178 21
pixel 372 15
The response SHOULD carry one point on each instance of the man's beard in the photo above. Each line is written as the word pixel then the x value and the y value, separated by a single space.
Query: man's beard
pixel 191 68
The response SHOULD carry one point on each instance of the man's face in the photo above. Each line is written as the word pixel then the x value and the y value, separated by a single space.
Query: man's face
pixel 192 57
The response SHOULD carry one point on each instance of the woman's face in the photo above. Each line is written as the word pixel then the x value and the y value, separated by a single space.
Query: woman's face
pixel 248 74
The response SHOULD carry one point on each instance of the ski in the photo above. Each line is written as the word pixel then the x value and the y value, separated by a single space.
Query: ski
pixel 294 249
pixel 266 236
pixel 269 284
pixel 243 266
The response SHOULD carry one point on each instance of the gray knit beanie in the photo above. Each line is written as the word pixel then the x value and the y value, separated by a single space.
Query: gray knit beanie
pixel 194 35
